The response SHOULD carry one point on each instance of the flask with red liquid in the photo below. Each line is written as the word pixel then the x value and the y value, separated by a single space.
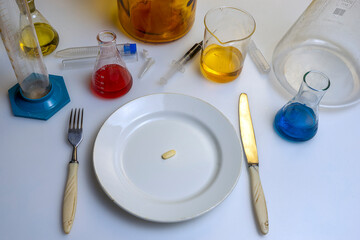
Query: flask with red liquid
pixel 110 78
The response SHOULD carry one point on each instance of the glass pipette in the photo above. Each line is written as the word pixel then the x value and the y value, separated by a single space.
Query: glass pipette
pixel 178 66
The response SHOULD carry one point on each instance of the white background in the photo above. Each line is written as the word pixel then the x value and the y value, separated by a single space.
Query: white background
pixel 311 188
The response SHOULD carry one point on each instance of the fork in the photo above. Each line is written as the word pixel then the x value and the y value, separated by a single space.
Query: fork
pixel 75 137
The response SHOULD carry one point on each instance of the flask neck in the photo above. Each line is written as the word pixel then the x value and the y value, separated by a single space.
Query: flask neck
pixel 31 4
pixel 106 38
pixel 107 42
pixel 312 89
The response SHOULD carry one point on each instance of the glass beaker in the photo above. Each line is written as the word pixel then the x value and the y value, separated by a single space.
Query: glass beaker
pixel 110 78
pixel 298 119
pixel 325 38
pixel 227 34
pixel 47 36
pixel 156 20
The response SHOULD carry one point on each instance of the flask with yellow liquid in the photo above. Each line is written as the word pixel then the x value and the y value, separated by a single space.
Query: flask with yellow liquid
pixel 47 36
pixel 227 35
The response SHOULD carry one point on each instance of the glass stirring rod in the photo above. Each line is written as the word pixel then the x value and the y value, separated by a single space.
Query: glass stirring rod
pixel 178 66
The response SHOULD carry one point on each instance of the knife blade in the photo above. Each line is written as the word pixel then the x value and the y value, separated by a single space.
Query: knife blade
pixel 249 144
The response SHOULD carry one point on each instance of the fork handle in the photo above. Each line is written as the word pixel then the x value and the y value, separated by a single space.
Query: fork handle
pixel 70 197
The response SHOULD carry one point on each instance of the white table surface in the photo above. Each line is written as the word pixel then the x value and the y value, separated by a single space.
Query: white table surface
pixel 311 188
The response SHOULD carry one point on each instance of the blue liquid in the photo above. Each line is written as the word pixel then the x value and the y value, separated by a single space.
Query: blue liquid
pixel 296 122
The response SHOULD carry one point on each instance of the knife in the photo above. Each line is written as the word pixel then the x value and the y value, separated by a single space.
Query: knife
pixel 249 144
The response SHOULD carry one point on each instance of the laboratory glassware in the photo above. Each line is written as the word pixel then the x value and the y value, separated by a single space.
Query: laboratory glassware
pixel 258 58
pixel 47 36
pixel 37 94
pixel 110 78
pixel 125 49
pixel 326 38
pixel 75 57
pixel 228 32
pixel 156 20
pixel 298 119
pixel 149 61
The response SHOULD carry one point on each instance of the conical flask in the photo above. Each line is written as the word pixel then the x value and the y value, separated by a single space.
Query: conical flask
pixel 298 119
pixel 110 78
pixel 47 36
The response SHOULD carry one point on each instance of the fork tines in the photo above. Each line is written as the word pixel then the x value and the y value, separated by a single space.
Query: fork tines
pixel 76 121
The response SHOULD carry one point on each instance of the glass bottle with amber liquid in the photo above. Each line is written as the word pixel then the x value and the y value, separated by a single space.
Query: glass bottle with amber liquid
pixel 47 36
pixel 156 21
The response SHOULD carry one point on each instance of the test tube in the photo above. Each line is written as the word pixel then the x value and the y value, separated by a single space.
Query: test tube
pixel 86 56
pixel 258 58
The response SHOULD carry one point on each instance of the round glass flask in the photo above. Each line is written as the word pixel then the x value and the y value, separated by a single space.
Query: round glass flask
pixel 110 78
pixel 47 36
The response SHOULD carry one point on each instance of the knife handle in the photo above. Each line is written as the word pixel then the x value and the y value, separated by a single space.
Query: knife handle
pixel 258 198
pixel 70 197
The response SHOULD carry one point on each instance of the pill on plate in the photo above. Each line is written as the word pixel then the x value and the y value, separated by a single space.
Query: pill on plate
pixel 168 154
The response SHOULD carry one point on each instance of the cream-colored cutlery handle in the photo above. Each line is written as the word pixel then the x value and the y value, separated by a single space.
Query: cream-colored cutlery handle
pixel 70 197
pixel 259 199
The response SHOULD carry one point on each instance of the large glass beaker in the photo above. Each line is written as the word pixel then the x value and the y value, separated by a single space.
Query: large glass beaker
pixel 325 38
pixel 156 20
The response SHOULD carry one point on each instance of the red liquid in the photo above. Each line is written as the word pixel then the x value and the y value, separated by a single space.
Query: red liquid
pixel 111 81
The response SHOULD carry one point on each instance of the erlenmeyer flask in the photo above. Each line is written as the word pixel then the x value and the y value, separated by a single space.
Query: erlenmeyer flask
pixel 110 78
pixel 298 119
pixel 47 36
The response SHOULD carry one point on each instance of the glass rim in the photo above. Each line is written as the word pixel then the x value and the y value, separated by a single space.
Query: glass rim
pixel 232 8
pixel 107 33
pixel 319 73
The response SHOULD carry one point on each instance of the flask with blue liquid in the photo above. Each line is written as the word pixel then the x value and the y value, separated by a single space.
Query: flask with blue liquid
pixel 298 119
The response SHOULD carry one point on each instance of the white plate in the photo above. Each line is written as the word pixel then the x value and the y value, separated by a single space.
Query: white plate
pixel 129 167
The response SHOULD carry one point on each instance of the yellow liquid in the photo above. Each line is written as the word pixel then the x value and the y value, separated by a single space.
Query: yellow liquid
pixel 47 36
pixel 221 64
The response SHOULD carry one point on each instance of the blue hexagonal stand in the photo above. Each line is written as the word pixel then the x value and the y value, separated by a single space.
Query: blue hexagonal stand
pixel 42 108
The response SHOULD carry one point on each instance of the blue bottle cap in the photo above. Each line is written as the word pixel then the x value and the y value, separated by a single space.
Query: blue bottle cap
pixel 130 48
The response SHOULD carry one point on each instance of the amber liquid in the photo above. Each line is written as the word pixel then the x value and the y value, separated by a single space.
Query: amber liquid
pixel 48 39
pixel 156 20
pixel 221 64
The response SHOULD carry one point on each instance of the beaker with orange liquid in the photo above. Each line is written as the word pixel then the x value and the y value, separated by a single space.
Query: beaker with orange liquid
pixel 227 35
pixel 156 20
